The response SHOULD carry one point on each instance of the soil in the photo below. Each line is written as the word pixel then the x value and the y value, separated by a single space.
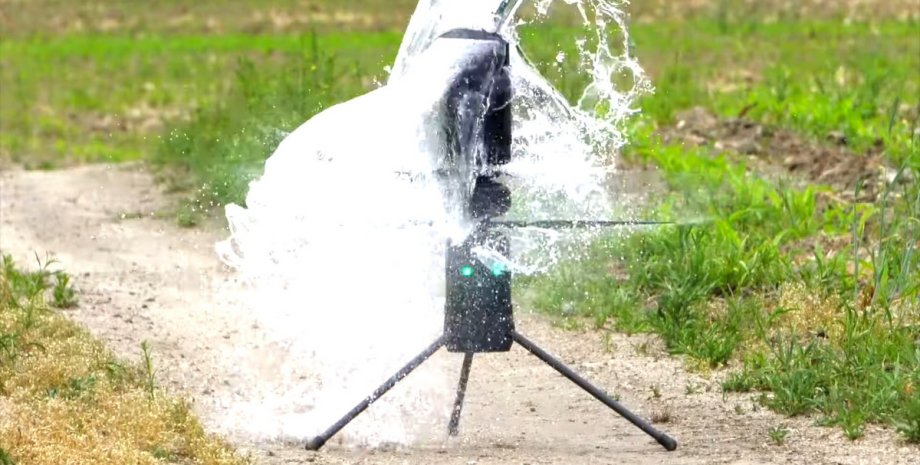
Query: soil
pixel 833 9
pixel 141 278
pixel 830 162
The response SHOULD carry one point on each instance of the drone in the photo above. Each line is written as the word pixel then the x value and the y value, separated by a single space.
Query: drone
pixel 476 118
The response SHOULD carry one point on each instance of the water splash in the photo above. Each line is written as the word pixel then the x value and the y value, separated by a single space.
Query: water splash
pixel 343 237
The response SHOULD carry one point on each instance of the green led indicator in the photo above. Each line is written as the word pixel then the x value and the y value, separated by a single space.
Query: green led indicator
pixel 499 269
pixel 466 271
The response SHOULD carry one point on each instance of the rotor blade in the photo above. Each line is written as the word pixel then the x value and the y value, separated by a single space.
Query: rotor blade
pixel 577 224
pixel 505 12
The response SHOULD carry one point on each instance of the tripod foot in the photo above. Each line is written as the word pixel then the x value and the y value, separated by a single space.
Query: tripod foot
pixel 319 441
pixel 666 441
pixel 454 427
pixel 316 443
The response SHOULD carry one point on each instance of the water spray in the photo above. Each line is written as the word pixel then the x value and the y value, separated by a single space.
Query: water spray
pixel 478 310
pixel 389 218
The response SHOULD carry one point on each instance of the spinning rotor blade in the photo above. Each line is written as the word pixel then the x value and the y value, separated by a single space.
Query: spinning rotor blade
pixel 576 224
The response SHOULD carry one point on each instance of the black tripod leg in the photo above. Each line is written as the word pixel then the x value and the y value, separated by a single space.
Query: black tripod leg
pixel 663 439
pixel 319 441
pixel 454 427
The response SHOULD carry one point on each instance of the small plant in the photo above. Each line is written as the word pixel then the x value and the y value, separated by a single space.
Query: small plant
pixel 149 373
pixel 21 287
pixel 9 346
pixel 188 216
pixel 691 388
pixel 739 381
pixel 853 432
pixel 62 293
pixel 656 391
pixel 164 454
pixel 662 416
pixel 909 426
pixel 79 387
pixel 5 458
pixel 778 435
pixel 642 349
pixel 115 370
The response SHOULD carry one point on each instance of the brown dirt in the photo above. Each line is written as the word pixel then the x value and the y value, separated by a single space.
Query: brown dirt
pixel 141 278
pixel 830 162
pixel 21 17
pixel 776 9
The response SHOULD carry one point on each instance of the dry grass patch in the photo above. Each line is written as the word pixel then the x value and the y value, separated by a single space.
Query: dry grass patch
pixel 64 399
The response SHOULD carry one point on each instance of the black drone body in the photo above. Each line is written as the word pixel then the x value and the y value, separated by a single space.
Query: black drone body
pixel 476 118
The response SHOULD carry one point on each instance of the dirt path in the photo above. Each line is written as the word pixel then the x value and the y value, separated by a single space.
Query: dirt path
pixel 143 279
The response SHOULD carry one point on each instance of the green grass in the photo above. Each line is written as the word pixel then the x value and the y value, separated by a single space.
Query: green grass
pixel 56 110
pixel 778 435
pixel 223 146
pixel 821 331
pixel 815 77
pixel 818 77
pixel 817 297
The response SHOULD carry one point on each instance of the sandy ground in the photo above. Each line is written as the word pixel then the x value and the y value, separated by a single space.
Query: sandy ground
pixel 142 278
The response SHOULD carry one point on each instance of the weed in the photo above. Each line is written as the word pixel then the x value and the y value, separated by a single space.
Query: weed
pixel 63 293
pixel 164 454
pixel 188 215
pixel 853 423
pixel 656 391
pixel 75 388
pixel 662 416
pixel 909 423
pixel 148 370
pixel 642 349
pixel 9 346
pixel 778 435
pixel 738 381
pixel 22 288
pixel 6 458
pixel 116 370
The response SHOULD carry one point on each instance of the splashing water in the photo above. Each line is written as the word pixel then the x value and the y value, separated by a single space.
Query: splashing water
pixel 343 237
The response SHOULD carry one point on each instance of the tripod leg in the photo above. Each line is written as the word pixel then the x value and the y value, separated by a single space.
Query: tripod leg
pixel 319 441
pixel 662 438
pixel 454 427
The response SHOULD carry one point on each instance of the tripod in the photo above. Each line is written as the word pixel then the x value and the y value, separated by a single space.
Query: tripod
pixel 478 319
pixel 478 315
pixel 453 428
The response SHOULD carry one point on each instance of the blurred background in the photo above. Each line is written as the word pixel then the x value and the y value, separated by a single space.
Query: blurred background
pixel 791 126
pixel 208 88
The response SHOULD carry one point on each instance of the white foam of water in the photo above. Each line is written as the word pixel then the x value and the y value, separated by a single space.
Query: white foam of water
pixel 342 239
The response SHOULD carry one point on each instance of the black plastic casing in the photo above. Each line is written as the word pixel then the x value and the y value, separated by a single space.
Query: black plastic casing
pixel 478 127
pixel 478 314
